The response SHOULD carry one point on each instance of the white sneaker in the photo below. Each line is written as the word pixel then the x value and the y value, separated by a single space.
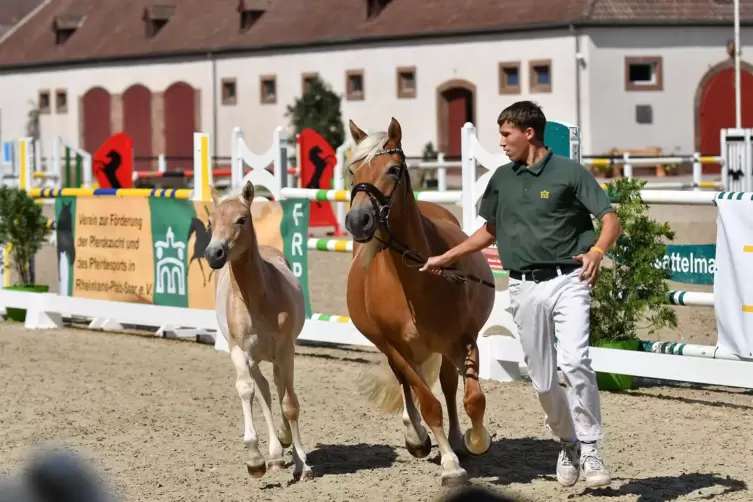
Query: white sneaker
pixel 593 468
pixel 568 469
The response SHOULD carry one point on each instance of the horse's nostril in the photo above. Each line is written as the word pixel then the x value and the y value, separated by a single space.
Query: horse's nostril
pixel 366 220
pixel 219 252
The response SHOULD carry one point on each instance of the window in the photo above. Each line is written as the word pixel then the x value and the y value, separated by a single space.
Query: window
pixel 354 85
pixel 541 75
pixel 306 79
pixel 509 78
pixel 268 84
pixel 249 18
pixel 644 114
pixel 61 101
pixel 44 102
pixel 406 82
pixel 643 74
pixel 229 91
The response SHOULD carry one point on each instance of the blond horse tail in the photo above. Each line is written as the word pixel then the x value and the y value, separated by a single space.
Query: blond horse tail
pixel 379 385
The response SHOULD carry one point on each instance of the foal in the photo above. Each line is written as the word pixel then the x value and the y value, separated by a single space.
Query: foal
pixel 425 326
pixel 260 311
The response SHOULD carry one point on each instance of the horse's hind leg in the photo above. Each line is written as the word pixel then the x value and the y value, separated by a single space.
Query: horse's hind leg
pixel 448 379
pixel 290 410
pixel 245 387
pixel 431 410
pixel 417 440
pixel 476 439
pixel 276 461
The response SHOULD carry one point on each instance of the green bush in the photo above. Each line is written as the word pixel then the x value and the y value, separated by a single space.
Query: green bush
pixel 23 226
pixel 318 109
pixel 633 289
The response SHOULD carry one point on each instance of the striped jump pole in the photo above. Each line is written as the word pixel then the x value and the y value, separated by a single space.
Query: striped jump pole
pixel 691 298
pixel 344 195
pixel 163 193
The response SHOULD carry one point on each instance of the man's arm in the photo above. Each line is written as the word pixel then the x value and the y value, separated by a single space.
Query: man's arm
pixel 610 231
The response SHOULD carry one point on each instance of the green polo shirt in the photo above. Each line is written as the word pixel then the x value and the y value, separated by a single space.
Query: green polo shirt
pixel 542 214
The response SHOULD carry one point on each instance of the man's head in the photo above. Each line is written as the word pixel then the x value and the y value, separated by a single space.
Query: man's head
pixel 521 125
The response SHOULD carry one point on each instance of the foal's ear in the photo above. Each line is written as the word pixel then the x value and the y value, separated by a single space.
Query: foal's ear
pixel 214 195
pixel 248 192
pixel 356 132
pixel 395 132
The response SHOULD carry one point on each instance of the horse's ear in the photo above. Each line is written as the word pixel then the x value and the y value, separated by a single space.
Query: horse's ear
pixel 395 132
pixel 214 195
pixel 248 191
pixel 356 132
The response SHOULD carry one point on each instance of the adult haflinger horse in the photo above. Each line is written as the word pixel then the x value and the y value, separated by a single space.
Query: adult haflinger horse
pixel 260 310
pixel 425 325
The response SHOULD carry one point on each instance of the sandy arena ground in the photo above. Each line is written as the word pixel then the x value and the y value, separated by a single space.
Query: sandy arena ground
pixel 162 420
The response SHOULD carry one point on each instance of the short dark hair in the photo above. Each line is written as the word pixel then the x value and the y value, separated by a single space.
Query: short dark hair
pixel 525 114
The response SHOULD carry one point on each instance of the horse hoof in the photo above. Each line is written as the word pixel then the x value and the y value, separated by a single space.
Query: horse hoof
pixel 275 465
pixel 306 475
pixel 457 477
pixel 256 471
pixel 476 445
pixel 419 451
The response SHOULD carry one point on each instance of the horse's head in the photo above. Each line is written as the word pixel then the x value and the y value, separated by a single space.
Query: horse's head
pixel 378 170
pixel 231 227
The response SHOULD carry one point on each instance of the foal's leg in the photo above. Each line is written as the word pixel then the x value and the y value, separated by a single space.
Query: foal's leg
pixel 431 410
pixel 476 439
pixel 448 379
pixel 275 448
pixel 290 410
pixel 283 434
pixel 417 440
pixel 245 387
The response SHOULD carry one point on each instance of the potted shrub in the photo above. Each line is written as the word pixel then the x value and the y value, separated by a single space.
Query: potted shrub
pixel 23 229
pixel 632 291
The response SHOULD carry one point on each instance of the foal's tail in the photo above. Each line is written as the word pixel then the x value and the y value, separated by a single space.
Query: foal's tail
pixel 380 385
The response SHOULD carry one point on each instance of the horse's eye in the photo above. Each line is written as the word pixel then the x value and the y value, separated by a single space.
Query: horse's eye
pixel 394 171
pixel 241 221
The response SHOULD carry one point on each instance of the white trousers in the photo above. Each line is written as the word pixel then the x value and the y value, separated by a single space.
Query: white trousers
pixel 561 307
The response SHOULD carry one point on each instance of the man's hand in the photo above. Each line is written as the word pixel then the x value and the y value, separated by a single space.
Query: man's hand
pixel 434 264
pixel 591 266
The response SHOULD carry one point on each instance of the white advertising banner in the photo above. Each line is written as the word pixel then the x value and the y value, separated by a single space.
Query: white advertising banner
pixel 733 289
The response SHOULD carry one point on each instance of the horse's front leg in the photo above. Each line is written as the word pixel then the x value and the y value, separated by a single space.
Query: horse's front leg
pixel 448 379
pixel 276 461
pixel 245 387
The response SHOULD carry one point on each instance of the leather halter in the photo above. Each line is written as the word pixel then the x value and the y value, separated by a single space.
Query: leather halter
pixel 383 205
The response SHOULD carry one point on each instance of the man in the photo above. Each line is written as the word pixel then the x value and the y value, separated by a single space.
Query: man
pixel 538 209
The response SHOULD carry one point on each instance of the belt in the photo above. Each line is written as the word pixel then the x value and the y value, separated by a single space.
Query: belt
pixel 542 274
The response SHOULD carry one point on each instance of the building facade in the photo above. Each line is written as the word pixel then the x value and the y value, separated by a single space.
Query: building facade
pixel 626 84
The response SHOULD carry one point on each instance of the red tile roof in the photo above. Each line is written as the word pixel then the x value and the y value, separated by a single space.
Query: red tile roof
pixel 114 29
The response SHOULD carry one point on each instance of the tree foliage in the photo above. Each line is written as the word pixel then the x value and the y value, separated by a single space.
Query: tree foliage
pixel 23 226
pixel 318 109
pixel 633 289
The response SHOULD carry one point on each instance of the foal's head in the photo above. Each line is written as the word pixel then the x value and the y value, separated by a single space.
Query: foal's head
pixel 379 179
pixel 232 227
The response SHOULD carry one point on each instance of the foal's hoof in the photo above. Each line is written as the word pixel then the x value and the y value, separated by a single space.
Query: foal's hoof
pixel 476 444
pixel 419 451
pixel 256 471
pixel 456 477
pixel 306 475
pixel 275 465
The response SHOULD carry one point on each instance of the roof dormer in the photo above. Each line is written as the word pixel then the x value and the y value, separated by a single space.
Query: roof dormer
pixel 375 7
pixel 66 25
pixel 251 10
pixel 156 16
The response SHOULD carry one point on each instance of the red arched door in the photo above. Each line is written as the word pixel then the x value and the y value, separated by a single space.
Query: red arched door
pixel 180 124
pixel 459 102
pixel 137 123
pixel 717 110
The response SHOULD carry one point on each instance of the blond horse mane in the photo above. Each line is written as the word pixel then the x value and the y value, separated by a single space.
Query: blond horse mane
pixel 364 152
